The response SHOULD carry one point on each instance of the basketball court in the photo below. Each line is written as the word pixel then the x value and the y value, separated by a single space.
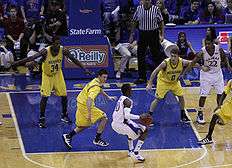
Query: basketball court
pixel 170 143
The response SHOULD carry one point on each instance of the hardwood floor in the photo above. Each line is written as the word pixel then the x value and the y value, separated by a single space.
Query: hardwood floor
pixel 218 154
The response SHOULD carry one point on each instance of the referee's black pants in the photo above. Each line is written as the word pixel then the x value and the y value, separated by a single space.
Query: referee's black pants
pixel 148 39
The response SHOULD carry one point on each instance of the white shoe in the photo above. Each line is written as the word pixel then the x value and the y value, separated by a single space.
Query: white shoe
pixel 200 119
pixel 118 75
pixel 130 153
pixel 138 157
pixel 67 141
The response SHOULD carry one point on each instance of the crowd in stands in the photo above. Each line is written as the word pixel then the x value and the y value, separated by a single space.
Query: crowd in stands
pixel 29 26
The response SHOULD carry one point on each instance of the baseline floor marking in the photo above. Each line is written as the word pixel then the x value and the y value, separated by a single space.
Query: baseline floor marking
pixel 193 127
pixel 115 151
pixel 203 146
pixel 19 134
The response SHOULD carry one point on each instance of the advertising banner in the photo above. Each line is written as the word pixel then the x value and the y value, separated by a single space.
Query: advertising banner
pixel 91 56
pixel 86 41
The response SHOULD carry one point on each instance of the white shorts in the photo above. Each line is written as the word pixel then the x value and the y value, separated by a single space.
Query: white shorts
pixel 6 59
pixel 131 129
pixel 125 50
pixel 209 81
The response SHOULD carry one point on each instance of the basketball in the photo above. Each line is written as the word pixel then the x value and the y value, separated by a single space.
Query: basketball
pixel 146 119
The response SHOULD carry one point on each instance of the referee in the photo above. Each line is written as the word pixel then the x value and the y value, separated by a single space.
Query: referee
pixel 151 33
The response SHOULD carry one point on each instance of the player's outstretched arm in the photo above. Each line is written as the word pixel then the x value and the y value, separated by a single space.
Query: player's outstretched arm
pixel 193 62
pixel 225 59
pixel 127 110
pixel 75 61
pixel 112 98
pixel 42 53
pixel 154 73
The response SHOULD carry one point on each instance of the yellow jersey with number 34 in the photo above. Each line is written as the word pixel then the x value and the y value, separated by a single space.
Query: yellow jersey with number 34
pixel 172 72
pixel 52 64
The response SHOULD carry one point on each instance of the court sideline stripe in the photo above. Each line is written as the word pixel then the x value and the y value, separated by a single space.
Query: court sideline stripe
pixel 19 134
pixel 78 90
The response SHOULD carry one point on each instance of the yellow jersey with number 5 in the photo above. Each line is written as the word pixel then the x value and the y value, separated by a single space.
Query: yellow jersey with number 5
pixel 52 64
pixel 172 72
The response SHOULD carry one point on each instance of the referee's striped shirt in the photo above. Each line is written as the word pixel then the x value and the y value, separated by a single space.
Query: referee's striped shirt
pixel 148 18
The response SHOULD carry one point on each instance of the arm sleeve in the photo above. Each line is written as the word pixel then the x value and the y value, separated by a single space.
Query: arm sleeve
pixel 128 115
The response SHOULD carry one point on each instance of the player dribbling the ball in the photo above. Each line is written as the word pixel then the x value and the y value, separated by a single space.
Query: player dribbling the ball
pixel 122 123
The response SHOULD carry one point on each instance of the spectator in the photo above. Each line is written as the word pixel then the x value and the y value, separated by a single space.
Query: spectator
pixel 184 45
pixel 45 6
pixel 151 32
pixel 212 15
pixel 220 4
pixel 14 29
pixel 211 32
pixel 6 56
pixel 39 38
pixel 164 11
pixel 126 50
pixel 174 8
pixel 7 4
pixel 110 17
pixel 31 10
pixel 55 20
pixel 228 9
pixel 190 15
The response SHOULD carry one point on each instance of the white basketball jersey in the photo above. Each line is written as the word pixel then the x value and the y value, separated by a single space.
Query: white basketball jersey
pixel 118 114
pixel 214 61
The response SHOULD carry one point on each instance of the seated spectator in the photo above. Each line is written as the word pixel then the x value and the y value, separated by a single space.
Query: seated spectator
pixel 7 4
pixel 220 4
pixel 126 50
pixel 55 20
pixel 39 38
pixel 228 9
pixel 45 6
pixel 174 9
pixel 31 10
pixel 212 15
pixel 211 32
pixel 164 11
pixel 191 14
pixel 184 45
pixel 110 18
pixel 14 30
pixel 6 56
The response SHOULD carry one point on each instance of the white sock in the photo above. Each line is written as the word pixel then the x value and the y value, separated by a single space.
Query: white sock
pixel 138 146
pixel 130 145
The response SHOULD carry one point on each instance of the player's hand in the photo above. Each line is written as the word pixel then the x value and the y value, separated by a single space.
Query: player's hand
pixel 89 117
pixel 88 72
pixel 112 98
pixel 149 86
pixel 205 68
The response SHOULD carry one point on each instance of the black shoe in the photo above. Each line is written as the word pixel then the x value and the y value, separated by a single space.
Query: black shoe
pixel 140 81
pixel 66 119
pixel 67 141
pixel 185 119
pixel 205 141
pixel 42 122
pixel 200 118
pixel 100 142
